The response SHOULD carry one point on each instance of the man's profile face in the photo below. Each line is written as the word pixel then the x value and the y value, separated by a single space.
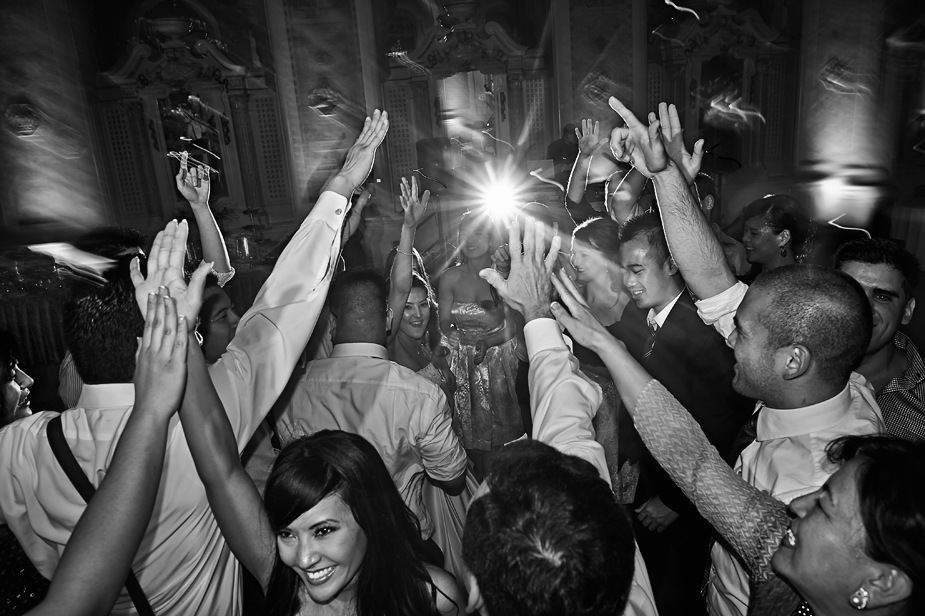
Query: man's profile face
pixel 883 286
pixel 754 369
pixel 649 282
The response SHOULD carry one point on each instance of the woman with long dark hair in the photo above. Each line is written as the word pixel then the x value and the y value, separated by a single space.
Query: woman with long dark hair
pixel 333 535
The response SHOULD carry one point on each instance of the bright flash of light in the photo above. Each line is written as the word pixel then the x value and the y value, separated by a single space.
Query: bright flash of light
pixel 502 191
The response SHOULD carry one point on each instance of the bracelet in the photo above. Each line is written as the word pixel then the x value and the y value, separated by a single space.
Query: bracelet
pixel 400 251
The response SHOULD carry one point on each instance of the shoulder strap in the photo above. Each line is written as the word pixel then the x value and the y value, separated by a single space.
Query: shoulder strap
pixel 72 469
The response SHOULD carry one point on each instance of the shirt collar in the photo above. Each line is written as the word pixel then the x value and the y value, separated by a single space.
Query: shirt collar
pixel 662 315
pixel 786 423
pixel 109 395
pixel 360 349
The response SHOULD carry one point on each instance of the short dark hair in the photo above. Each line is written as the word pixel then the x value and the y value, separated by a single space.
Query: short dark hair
pixel 101 326
pixel 782 212
pixel 885 251
pixel 111 242
pixel 648 224
pixel 821 308
pixel 548 537
pixel 359 297
pixel 602 234
pixel 892 508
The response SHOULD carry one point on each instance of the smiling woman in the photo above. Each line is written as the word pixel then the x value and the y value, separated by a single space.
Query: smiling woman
pixel 344 537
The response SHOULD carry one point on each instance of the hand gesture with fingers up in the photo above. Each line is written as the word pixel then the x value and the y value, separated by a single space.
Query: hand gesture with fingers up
pixel 413 206
pixel 165 269
pixel 673 138
pixel 160 369
pixel 194 184
pixel 528 287
pixel 636 143
pixel 589 140
pixel 582 326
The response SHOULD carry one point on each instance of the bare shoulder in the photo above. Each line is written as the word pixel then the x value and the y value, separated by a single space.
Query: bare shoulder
pixel 449 596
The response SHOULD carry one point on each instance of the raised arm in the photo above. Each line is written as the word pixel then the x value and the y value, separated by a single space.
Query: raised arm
pixel 403 266
pixel 589 166
pixel 693 245
pixel 751 521
pixel 233 497
pixel 195 185
pixel 100 551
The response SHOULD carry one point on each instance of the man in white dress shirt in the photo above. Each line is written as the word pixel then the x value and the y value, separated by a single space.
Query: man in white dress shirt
pixel 184 565
pixel 797 334
pixel 404 415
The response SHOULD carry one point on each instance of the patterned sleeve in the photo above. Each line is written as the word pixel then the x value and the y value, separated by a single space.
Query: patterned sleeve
pixel 750 520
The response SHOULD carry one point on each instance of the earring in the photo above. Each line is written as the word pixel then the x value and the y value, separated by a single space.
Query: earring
pixel 783 251
pixel 860 598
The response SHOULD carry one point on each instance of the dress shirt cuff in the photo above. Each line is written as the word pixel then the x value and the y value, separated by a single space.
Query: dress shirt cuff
pixel 541 335
pixel 330 207
pixel 719 310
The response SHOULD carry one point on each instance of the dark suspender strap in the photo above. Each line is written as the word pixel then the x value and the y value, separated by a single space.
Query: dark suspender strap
pixel 72 469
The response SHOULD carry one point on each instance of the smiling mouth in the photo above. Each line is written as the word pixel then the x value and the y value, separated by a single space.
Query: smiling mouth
pixel 319 576
pixel 789 540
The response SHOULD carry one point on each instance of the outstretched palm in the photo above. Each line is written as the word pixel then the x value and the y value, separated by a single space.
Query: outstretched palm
pixel 589 138
pixel 165 269
pixel 413 206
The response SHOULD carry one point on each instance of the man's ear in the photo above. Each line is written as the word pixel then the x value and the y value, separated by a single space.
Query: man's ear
pixel 389 314
pixel 475 600
pixel 890 587
pixel 796 360
pixel 332 326
pixel 907 311
pixel 671 266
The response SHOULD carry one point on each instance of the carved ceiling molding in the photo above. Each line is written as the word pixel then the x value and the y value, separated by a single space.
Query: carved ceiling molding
pixel 741 34
pixel 146 69
pixel 471 46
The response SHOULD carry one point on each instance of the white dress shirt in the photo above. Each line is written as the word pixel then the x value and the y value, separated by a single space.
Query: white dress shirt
pixel 183 565
pixel 404 415
pixel 787 458
pixel 563 402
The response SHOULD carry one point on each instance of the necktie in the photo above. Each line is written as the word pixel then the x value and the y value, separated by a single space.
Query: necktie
pixel 650 341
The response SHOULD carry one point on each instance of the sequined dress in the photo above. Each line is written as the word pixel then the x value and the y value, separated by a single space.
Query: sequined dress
pixel 487 413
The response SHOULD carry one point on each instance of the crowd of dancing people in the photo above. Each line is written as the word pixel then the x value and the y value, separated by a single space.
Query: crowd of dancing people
pixel 708 425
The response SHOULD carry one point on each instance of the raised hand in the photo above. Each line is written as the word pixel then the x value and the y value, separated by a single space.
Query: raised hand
pixel 362 153
pixel 165 269
pixel 589 139
pixel 194 184
pixel 528 287
pixel 673 138
pixel 160 368
pixel 636 143
pixel 413 206
pixel 582 326
pixel 501 260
